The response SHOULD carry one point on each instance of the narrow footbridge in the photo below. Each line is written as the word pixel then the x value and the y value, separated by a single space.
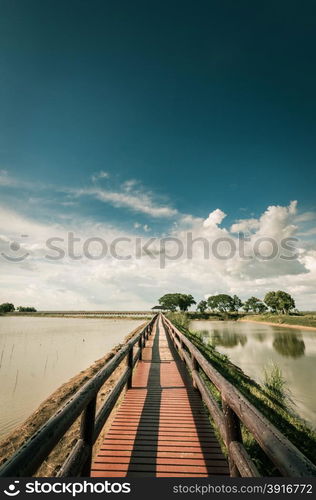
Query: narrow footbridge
pixel 163 418
pixel 161 428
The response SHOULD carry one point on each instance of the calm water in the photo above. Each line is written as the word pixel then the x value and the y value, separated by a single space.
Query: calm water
pixel 37 355
pixel 253 346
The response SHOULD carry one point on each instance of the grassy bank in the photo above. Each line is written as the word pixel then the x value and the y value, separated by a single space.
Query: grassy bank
pixel 271 398
pixel 303 319
pixel 216 316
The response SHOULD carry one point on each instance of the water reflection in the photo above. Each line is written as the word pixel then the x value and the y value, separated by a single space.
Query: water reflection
pixel 253 346
pixel 227 338
pixel 261 337
pixel 292 346
pixel 224 338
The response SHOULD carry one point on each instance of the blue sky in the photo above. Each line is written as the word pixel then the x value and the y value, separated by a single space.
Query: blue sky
pixel 186 106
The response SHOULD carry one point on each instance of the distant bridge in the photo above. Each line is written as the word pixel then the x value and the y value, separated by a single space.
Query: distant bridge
pixel 87 313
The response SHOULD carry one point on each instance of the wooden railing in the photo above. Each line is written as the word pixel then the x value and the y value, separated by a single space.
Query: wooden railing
pixel 26 461
pixel 236 409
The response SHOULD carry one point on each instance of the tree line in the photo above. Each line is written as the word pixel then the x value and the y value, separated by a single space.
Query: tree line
pixel 7 307
pixel 278 302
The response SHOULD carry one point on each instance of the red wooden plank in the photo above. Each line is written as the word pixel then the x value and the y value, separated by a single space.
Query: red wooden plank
pixel 215 462
pixel 163 442
pixel 158 454
pixel 111 445
pixel 159 467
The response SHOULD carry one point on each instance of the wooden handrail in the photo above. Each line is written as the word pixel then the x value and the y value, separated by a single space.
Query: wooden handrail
pixel 285 456
pixel 28 458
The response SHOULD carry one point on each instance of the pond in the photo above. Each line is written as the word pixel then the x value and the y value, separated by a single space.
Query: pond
pixel 254 346
pixel 37 355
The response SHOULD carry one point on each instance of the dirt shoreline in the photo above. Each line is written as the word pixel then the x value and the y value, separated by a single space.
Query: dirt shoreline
pixel 285 325
pixel 49 468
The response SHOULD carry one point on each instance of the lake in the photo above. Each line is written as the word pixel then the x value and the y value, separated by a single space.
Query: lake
pixel 37 355
pixel 254 346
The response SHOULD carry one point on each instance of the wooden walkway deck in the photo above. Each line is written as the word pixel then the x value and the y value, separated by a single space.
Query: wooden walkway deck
pixel 161 428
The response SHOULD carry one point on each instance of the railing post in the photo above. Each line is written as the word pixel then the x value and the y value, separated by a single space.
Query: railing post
pixel 140 345
pixel 86 432
pixel 180 348
pixel 233 433
pixel 195 369
pixel 130 366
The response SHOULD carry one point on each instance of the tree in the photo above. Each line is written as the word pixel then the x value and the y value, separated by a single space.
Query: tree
pixel 202 306
pixel 6 307
pixel 237 303
pixel 285 302
pixel 254 305
pixel 261 307
pixel 171 301
pixel 279 302
pixel 271 301
pixel 221 303
pixel 212 302
pixel 26 309
pixel 185 301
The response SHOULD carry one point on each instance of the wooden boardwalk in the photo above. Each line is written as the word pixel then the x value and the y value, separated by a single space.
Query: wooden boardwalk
pixel 161 428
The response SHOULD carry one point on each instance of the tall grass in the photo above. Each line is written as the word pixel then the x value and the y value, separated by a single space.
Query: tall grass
pixel 276 386
pixel 180 319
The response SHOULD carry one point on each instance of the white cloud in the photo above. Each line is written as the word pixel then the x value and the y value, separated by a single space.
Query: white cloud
pixel 130 194
pixel 137 202
pixel 145 227
pixel 214 218
pixel 309 232
pixel 100 175
pixel 138 282
pixel 6 179
pixel 245 226
pixel 305 217
pixel 129 185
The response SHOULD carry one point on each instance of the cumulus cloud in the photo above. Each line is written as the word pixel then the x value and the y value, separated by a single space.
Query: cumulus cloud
pixel 214 218
pixel 89 281
pixel 272 230
pixel 245 226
